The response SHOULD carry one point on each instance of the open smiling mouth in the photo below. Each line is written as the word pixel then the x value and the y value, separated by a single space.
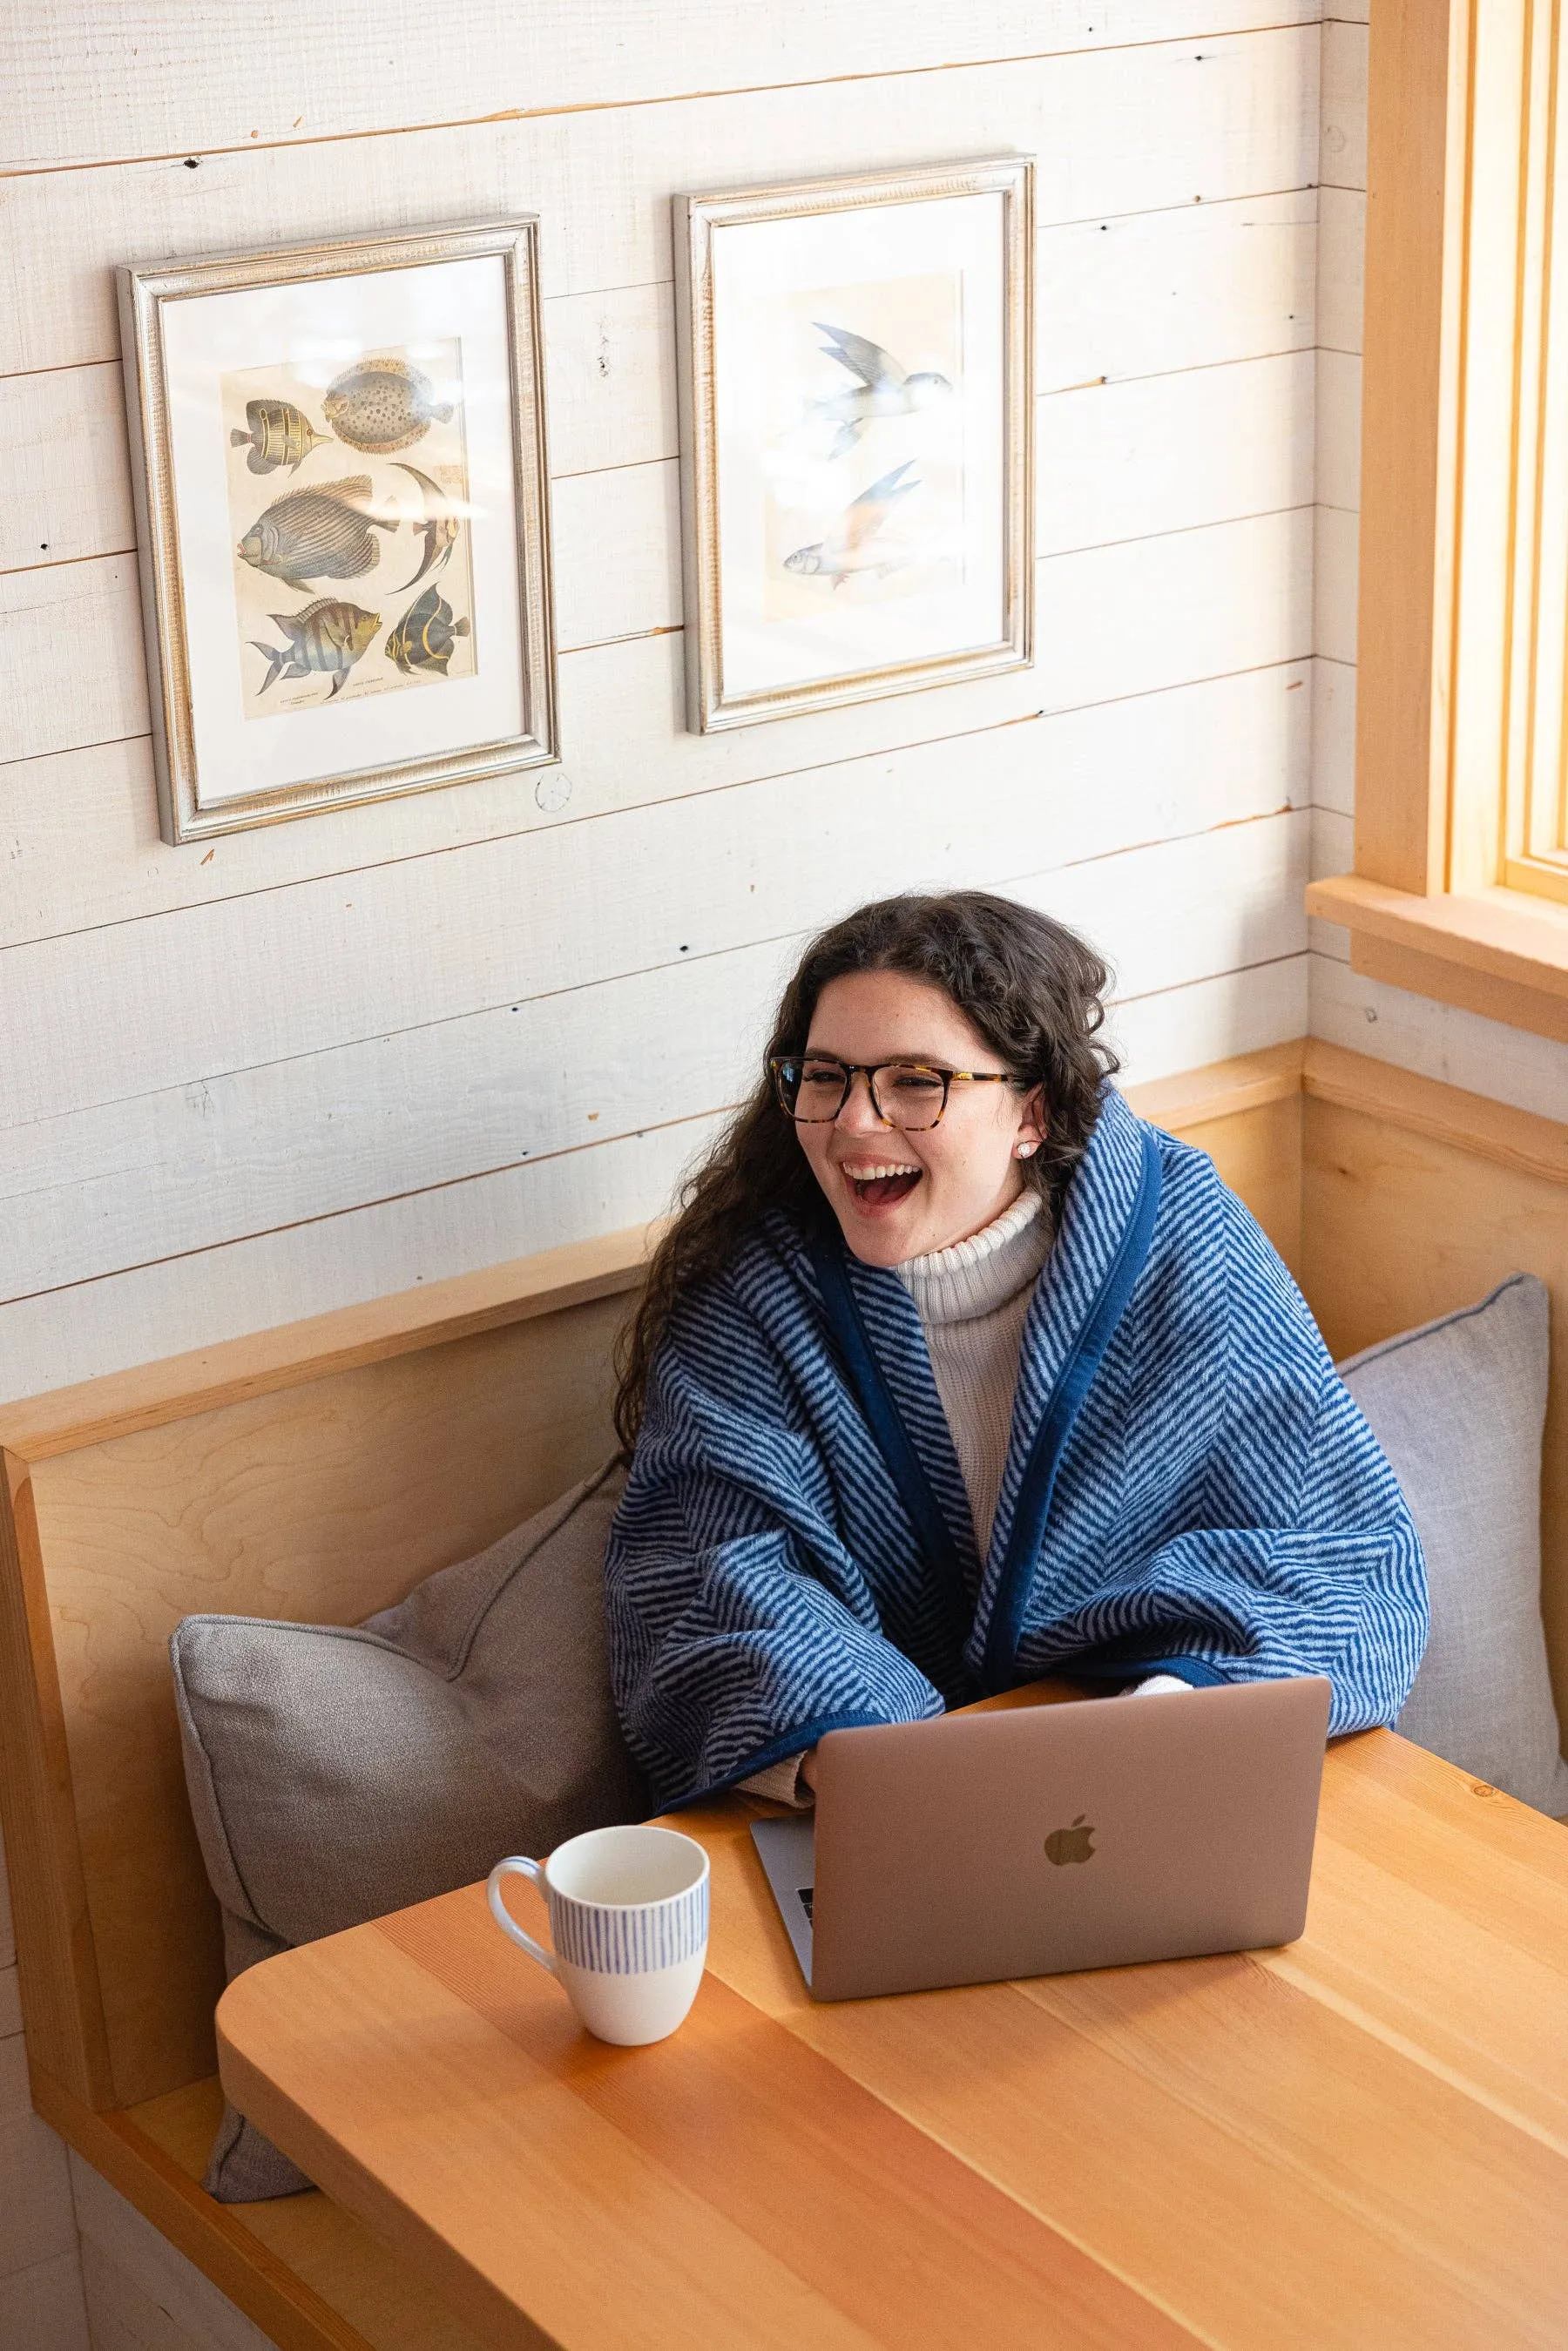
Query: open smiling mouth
pixel 879 1188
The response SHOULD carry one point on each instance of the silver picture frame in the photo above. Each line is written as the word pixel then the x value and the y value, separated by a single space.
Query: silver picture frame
pixel 1002 378
pixel 520 645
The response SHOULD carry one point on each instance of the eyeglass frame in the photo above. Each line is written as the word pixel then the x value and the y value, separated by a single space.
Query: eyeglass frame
pixel 870 1071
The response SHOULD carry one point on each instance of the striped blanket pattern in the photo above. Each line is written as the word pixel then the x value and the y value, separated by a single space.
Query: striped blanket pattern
pixel 1219 1509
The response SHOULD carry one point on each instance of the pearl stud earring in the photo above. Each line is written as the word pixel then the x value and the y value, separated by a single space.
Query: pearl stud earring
pixel 1026 1151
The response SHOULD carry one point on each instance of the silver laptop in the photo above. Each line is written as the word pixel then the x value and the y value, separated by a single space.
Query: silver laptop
pixel 1027 1842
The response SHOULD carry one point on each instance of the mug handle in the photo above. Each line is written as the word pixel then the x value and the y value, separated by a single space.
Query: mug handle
pixel 518 1865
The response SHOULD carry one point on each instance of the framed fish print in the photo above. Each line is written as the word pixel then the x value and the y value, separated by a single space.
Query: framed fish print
pixel 343 522
pixel 856 362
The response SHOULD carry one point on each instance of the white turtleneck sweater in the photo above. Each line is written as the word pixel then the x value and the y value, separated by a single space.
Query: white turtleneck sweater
pixel 972 1300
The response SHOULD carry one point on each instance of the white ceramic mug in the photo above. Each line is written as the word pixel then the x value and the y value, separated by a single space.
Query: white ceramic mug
pixel 627 1917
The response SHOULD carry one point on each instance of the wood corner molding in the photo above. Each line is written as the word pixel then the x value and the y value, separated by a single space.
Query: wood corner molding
pixel 1246 1082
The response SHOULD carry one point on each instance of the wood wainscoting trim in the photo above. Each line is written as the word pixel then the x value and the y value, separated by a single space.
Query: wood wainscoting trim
pixel 64 1420
pixel 1249 1082
pixel 1400 1098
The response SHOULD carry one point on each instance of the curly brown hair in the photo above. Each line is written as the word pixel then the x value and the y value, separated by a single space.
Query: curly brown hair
pixel 1031 987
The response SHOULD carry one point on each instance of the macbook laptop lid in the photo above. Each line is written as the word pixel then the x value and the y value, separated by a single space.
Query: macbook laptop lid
pixel 1038 1839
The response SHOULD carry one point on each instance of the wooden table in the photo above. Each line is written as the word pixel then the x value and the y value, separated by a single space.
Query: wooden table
pixel 1359 2141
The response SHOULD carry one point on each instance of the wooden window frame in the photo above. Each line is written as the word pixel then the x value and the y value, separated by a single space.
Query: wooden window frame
pixel 1457 508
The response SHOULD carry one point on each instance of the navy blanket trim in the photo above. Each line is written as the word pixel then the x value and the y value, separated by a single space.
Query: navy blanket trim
pixel 1196 1671
pixel 880 1409
pixel 794 1742
pixel 1077 1374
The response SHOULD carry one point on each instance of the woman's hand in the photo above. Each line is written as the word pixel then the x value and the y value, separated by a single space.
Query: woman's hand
pixel 809 1766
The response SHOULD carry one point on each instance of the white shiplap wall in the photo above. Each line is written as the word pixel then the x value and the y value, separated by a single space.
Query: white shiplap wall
pixel 1411 1031
pixel 336 1057
pixel 317 1062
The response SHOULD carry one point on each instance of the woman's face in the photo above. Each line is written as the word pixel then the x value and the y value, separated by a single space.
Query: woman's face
pixel 899 1193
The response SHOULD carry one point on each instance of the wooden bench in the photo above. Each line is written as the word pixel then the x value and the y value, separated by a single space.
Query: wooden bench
pixel 318 1471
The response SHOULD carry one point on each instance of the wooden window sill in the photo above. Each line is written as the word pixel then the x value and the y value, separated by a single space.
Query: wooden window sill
pixel 1496 952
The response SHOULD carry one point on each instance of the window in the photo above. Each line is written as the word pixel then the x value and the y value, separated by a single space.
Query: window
pixel 1460 888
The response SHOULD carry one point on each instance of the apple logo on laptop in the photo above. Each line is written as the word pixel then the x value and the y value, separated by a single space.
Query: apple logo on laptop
pixel 1070 1844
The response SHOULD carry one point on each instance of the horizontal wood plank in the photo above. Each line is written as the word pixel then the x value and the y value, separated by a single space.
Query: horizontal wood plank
pixel 1192 604
pixel 164 1309
pixel 1076 784
pixel 1230 442
pixel 1237 116
pixel 178 1386
pixel 70 639
pixel 517 1291
pixel 168 83
pixel 127 1009
pixel 167 1173
pixel 78 831
pixel 1121 463
pixel 1174 452
pixel 183 1305
pixel 1138 294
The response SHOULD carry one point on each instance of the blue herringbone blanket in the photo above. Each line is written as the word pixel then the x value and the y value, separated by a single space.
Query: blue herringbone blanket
pixel 1188 1487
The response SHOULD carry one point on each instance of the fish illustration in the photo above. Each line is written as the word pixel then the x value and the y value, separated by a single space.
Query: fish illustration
pixel 440 528
pixel 381 405
pixel 317 534
pixel 851 550
pixel 328 636
pixel 280 435
pixel 883 389
pixel 423 638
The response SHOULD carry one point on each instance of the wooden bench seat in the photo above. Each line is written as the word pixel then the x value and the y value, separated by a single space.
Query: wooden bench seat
pixel 319 1471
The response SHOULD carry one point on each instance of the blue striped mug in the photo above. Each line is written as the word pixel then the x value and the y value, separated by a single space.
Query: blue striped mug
pixel 627 1917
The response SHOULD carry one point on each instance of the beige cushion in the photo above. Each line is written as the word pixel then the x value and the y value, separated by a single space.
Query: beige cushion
pixel 337 1772
pixel 1458 1406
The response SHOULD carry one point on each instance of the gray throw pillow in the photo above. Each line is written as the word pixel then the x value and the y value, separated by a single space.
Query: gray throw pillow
pixel 1458 1406
pixel 337 1772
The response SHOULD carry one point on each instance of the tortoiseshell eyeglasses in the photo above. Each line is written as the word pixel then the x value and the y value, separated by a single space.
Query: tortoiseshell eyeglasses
pixel 812 1088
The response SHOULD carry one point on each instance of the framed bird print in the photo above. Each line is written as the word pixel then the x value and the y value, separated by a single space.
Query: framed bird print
pixel 856 360
pixel 342 517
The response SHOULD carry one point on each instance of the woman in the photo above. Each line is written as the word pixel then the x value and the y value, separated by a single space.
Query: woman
pixel 952 1372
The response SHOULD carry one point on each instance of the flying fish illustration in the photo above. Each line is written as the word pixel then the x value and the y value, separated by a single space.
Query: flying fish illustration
pixel 852 548
pixel 882 387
